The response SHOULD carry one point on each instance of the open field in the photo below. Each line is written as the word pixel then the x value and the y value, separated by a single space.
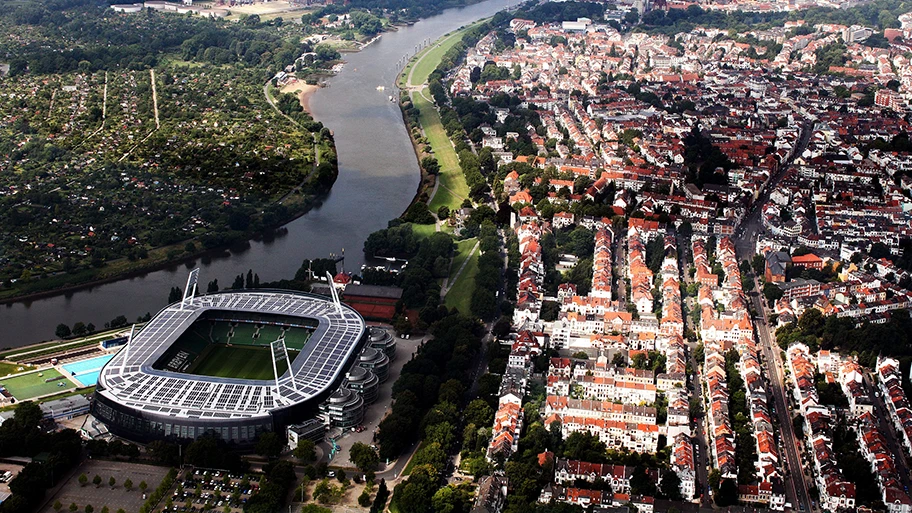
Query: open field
pixel 460 293
pixel 243 362
pixel 451 188
pixel 28 386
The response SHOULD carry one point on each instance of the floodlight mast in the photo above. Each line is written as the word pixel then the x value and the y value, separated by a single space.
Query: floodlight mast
pixel 123 362
pixel 333 292
pixel 275 370
pixel 190 290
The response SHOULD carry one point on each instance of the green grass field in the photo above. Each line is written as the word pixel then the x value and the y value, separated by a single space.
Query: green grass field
pixel 463 248
pixel 452 188
pixel 242 362
pixel 11 368
pixel 423 230
pixel 429 59
pixel 460 293
pixel 28 386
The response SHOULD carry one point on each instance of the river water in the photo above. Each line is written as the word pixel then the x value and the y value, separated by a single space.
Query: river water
pixel 378 176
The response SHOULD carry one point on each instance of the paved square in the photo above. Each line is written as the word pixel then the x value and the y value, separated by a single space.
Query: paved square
pixel 104 495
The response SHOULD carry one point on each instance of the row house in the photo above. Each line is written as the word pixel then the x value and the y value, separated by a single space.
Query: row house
pixel 835 492
pixel 596 498
pixel 558 405
pixel 619 435
pixel 873 447
pixel 507 427
pixel 721 434
pixel 894 396
pixel 568 472
pixel 682 463
pixel 801 370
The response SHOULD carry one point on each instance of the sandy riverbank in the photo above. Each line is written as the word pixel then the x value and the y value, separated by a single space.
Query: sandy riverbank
pixel 304 92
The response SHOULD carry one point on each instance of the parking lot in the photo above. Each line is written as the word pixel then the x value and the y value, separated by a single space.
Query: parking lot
pixel 114 498
pixel 200 490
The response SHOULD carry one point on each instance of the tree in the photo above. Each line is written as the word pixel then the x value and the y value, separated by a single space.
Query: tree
pixel 79 329
pixel 269 445
pixel 57 505
pixel 728 493
pixel 63 331
pixel 364 500
pixel 88 508
pixel 175 295
pixel 451 499
pixel 105 509
pixel 143 486
pixel 364 457
pixel 128 484
pixel 112 482
pixel 313 508
pixel 670 486
pixel 83 479
pixel 305 451
pixel 96 480
pixel 74 507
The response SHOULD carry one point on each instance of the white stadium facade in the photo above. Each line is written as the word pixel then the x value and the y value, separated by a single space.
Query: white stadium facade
pixel 139 400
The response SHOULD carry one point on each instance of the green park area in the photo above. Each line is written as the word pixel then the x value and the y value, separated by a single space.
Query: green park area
pixel 451 184
pixel 35 384
pixel 420 68
pixel 462 284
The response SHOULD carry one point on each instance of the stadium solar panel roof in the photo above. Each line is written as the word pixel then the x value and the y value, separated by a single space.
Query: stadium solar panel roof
pixel 130 379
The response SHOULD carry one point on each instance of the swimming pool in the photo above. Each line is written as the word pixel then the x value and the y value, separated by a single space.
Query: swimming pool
pixel 87 371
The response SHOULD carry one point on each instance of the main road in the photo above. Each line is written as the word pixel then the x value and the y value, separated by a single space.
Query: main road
pixel 378 176
pixel 745 239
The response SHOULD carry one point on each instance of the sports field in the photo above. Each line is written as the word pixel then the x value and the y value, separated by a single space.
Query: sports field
pixel 242 362
pixel 28 386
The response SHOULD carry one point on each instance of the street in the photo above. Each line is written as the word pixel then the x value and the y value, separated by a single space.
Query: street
pixel 796 484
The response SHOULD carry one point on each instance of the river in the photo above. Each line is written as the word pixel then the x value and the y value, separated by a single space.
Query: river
pixel 378 176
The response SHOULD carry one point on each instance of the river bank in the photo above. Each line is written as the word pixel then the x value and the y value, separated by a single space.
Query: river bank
pixel 90 278
pixel 304 92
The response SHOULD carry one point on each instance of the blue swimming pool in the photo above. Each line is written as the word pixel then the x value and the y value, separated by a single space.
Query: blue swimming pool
pixel 87 371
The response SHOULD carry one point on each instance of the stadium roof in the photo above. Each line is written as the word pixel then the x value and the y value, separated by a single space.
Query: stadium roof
pixel 135 383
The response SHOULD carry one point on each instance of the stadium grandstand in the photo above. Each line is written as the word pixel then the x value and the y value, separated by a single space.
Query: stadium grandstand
pixel 236 363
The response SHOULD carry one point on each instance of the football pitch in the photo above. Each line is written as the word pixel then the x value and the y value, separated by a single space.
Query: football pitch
pixel 31 385
pixel 242 362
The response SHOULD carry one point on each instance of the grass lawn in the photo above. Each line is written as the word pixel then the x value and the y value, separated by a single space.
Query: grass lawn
pixel 10 368
pixel 411 463
pixel 452 188
pixel 33 384
pixel 243 362
pixel 429 59
pixel 462 252
pixel 423 230
pixel 460 293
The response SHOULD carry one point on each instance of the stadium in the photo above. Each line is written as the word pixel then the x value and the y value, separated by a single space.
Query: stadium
pixel 236 363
